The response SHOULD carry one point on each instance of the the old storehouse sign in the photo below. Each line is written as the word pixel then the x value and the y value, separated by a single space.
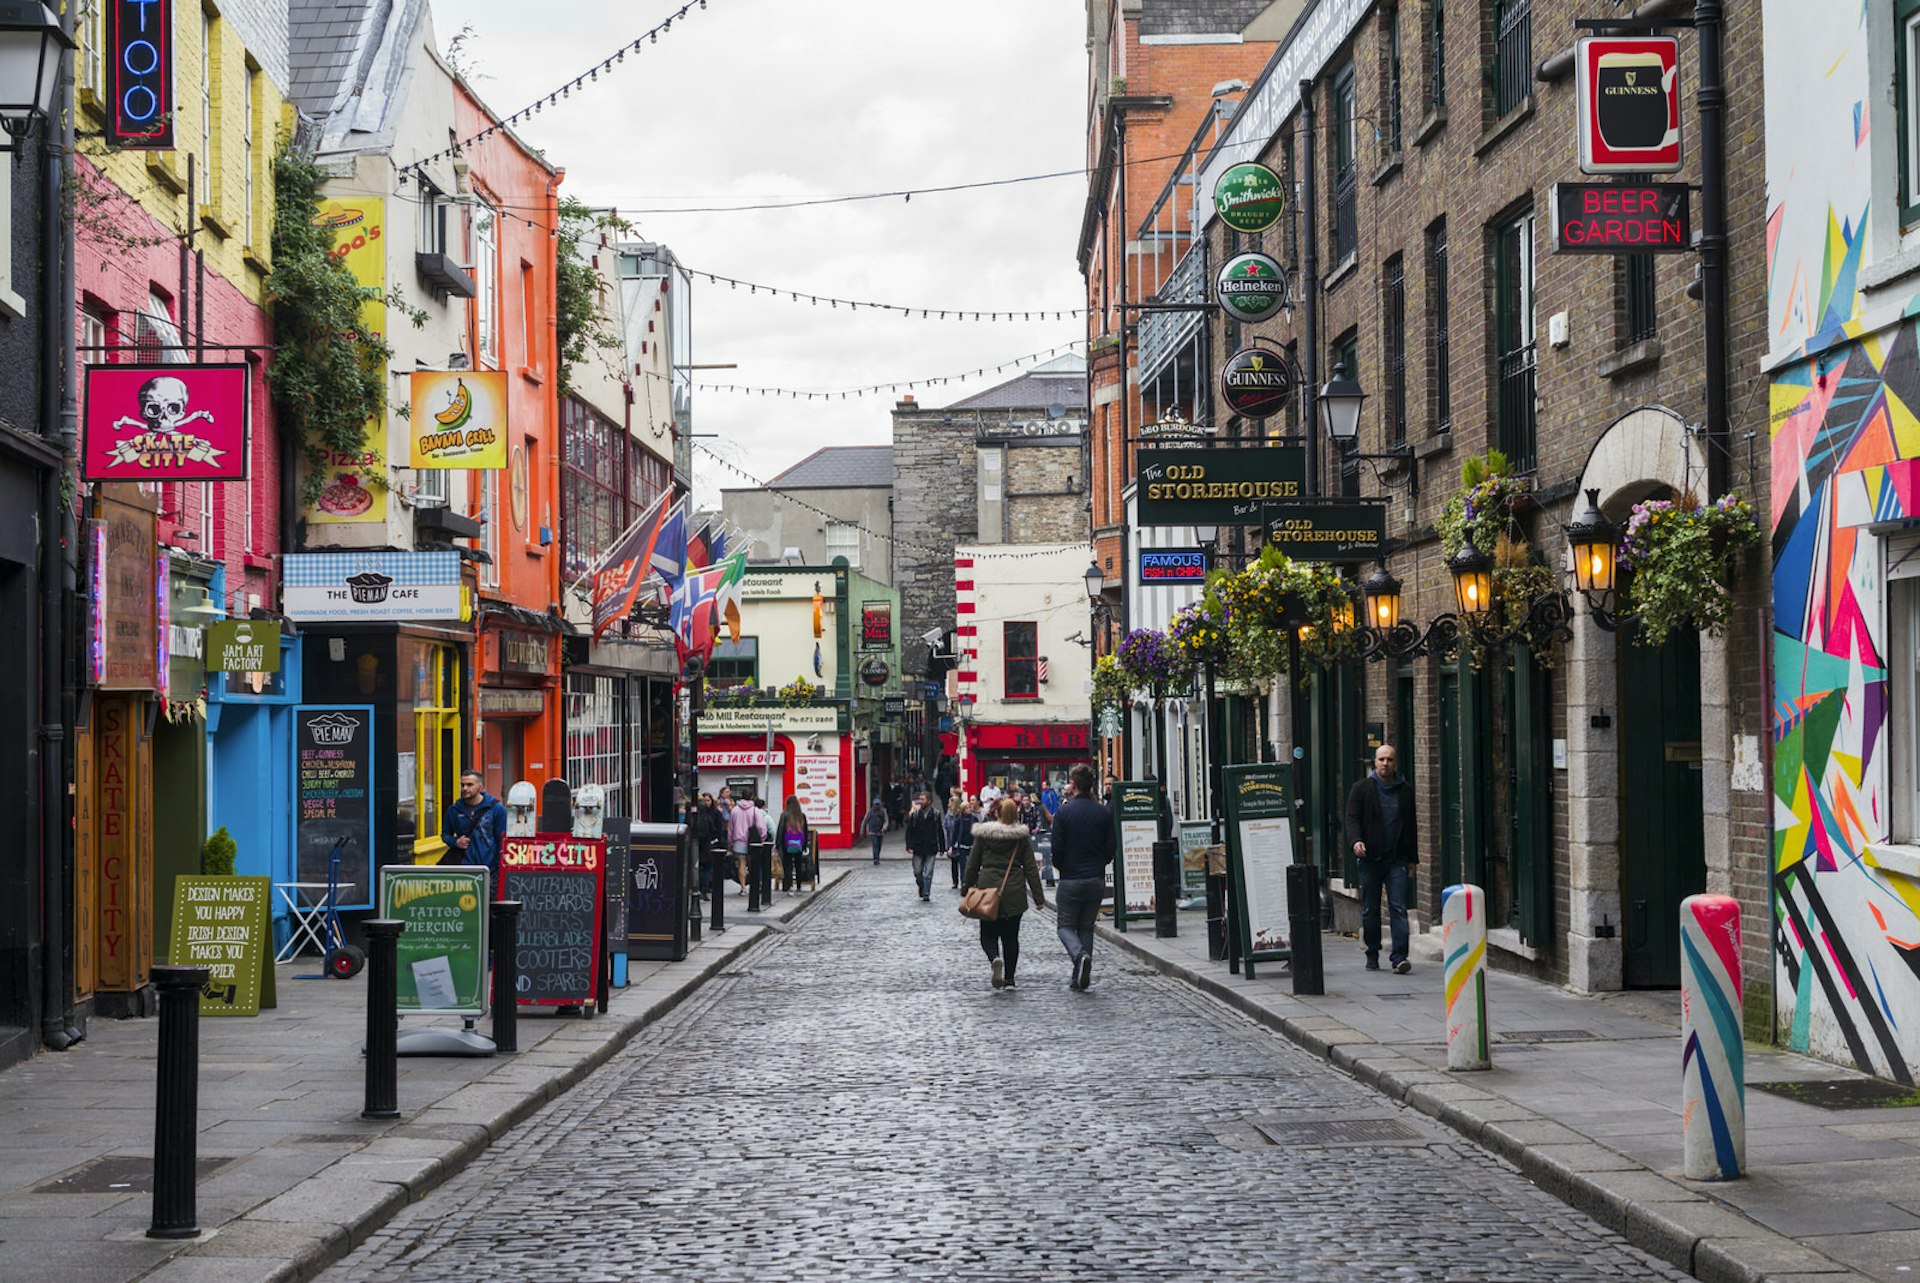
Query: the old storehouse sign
pixel 1250 197
pixel 1256 382
pixel 1251 287
pixel 1627 94
pixel 166 423
pixel 1214 486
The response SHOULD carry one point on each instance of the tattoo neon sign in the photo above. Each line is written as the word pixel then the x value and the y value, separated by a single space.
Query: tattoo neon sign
pixel 140 86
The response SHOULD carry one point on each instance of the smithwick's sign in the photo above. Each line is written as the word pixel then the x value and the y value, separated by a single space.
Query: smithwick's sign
pixel 1214 486
pixel 1256 383
pixel 1627 96
pixel 139 58
pixel 1250 197
pixel 152 423
pixel 1620 218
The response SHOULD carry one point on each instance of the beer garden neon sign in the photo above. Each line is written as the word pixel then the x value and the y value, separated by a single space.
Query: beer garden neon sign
pixel 140 87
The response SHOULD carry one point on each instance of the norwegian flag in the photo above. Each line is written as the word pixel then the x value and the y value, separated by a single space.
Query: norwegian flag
pixel 1040 669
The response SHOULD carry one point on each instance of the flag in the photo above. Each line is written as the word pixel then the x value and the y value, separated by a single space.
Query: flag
pixel 617 575
pixel 699 546
pixel 727 593
pixel 717 544
pixel 691 615
pixel 667 557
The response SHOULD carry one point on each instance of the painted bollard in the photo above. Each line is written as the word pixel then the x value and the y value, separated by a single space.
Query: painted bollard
pixel 1713 1093
pixel 1463 943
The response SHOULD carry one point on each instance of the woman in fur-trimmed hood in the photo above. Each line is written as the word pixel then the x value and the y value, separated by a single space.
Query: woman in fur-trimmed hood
pixel 1003 857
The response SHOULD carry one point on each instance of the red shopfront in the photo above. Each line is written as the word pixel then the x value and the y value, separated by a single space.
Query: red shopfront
pixel 819 769
pixel 1021 753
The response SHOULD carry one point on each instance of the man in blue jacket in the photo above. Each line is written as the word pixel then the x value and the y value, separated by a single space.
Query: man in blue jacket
pixel 475 823
pixel 1082 850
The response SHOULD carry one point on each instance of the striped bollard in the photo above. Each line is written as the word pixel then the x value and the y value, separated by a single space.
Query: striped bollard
pixel 1713 1092
pixel 1463 943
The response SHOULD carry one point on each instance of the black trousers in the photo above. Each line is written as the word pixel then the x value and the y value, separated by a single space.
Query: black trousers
pixel 759 873
pixel 1001 939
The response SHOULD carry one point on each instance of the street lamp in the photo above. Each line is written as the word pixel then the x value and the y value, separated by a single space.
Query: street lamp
pixel 1595 541
pixel 1472 572
pixel 1383 600
pixel 31 46
pixel 1096 579
pixel 1340 401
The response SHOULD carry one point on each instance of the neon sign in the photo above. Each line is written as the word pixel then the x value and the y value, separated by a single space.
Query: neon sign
pixel 140 90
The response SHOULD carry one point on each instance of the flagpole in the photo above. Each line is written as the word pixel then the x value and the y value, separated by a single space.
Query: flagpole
pixel 600 562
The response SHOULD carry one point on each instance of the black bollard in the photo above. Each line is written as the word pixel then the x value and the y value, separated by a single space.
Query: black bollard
pixel 719 888
pixel 383 1017
pixel 1166 888
pixel 1216 916
pixel 506 976
pixel 692 883
pixel 1303 928
pixel 176 1114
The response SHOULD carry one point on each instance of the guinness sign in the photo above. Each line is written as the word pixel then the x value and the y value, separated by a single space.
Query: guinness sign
pixel 1256 382
pixel 1251 287
pixel 1627 91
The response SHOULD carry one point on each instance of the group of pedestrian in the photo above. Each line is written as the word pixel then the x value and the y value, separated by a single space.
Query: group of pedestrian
pixel 738 839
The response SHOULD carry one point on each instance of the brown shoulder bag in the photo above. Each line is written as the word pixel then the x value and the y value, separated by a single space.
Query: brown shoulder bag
pixel 982 904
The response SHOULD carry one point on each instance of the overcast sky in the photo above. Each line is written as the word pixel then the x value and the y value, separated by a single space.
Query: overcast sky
pixel 754 100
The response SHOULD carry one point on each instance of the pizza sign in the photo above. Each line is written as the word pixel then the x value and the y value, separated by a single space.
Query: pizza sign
pixel 166 423
pixel 1627 92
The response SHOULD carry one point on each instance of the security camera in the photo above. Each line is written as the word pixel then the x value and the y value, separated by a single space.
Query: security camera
pixel 933 636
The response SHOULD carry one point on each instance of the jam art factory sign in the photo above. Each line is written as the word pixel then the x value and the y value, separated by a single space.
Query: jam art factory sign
pixel 243 646
pixel 372 585
pixel 1627 95
pixel 139 57
pixel 1251 287
pixel 1256 382
pixel 1197 485
pixel 1250 197
pixel 1620 218
pixel 166 423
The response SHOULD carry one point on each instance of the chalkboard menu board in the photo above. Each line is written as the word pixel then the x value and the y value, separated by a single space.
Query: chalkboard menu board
pixel 443 951
pixel 560 884
pixel 333 797
pixel 657 894
pixel 619 830
pixel 221 924
pixel 1136 818
pixel 1259 817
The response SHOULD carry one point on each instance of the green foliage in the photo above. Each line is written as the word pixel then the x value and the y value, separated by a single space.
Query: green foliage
pixel 1681 557
pixel 1111 686
pixel 580 328
pixel 1482 508
pixel 218 853
pixel 328 375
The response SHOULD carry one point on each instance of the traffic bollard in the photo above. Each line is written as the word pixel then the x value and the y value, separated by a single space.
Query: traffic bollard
pixel 1216 916
pixel 719 885
pixel 176 1114
pixel 1463 946
pixel 1166 888
pixel 1713 1092
pixel 506 976
pixel 383 1018
pixel 1303 929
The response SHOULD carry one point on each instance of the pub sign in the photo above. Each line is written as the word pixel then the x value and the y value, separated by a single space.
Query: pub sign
pixel 1627 94
pixel 150 423
pixel 876 625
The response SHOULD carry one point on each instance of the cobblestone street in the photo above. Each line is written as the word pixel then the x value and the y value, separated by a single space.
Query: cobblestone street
pixel 852 1100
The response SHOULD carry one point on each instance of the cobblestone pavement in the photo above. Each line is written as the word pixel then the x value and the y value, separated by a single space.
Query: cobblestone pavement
pixel 852 1100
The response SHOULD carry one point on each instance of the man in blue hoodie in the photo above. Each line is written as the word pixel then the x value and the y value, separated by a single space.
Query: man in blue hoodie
pixel 475 823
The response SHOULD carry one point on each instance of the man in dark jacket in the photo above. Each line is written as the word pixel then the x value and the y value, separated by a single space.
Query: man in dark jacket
pixel 926 838
pixel 474 825
pixel 1082 850
pixel 1381 830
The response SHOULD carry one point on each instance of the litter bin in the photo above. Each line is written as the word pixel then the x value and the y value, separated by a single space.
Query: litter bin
pixel 660 883
pixel 1303 928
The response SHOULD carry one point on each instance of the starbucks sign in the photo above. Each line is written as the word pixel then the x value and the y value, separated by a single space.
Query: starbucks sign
pixel 1251 287
pixel 1256 382
pixel 1250 197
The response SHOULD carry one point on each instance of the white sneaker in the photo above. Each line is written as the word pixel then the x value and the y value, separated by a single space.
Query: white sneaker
pixel 999 974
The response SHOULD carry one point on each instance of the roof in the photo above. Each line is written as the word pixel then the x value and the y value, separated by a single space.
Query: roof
pixel 352 65
pixel 839 467
pixel 1199 17
pixel 1059 382
pixel 323 37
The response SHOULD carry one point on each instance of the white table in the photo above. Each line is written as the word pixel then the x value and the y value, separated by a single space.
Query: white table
pixel 309 919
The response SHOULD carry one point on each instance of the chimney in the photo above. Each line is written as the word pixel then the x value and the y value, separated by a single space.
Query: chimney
pixel 906 403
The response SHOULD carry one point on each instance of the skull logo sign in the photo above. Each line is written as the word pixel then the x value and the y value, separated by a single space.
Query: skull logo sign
pixel 163 407
pixel 166 422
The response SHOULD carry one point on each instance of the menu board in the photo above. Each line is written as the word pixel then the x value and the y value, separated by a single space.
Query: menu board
pixel 1259 814
pixel 619 831
pixel 658 898
pixel 816 782
pixel 333 798
pixel 1136 816
pixel 221 924
pixel 443 951
pixel 559 882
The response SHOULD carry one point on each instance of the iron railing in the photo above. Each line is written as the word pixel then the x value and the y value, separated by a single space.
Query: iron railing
pixel 1512 56
pixel 1516 408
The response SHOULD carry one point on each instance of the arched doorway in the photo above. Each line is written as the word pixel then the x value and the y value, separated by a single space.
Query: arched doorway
pixel 1663 856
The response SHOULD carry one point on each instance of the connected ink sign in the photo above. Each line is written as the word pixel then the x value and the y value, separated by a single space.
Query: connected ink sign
pixel 140 74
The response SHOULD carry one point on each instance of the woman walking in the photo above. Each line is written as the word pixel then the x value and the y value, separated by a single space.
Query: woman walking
pixel 965 817
pixel 790 844
pixel 1002 857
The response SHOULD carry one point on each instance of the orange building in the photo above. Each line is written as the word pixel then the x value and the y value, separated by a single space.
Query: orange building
pixel 512 225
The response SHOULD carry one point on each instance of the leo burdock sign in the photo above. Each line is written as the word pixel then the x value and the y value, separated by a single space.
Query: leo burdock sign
pixel 333 798
pixel 559 882
pixel 1136 819
pixel 221 924
pixel 443 951
pixel 1259 812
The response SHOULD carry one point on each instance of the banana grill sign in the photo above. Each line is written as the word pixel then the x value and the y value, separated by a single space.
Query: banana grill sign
pixel 459 419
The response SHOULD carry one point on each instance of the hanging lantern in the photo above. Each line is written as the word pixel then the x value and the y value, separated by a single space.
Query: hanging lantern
pixel 1472 572
pixel 1383 600
pixel 1596 549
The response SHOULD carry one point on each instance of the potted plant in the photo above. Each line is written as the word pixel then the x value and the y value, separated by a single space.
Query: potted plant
pixel 218 853
pixel 1679 557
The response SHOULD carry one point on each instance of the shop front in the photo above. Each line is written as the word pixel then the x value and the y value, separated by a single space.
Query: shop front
pixel 620 724
pixel 253 683
pixel 518 733
pixel 779 751
pixel 1026 754
pixel 180 738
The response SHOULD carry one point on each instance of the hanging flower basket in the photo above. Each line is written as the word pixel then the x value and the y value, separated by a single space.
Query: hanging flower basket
pixel 798 691
pixel 1112 688
pixel 1148 659
pixel 1680 556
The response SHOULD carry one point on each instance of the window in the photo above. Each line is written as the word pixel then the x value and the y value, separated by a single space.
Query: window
pixel 734 663
pixel 156 338
pixel 594 707
pixel 1346 169
pixel 1512 78
pixel 530 320
pixel 207 169
pixel 249 161
pixel 1439 357
pixel 1393 324
pixel 430 488
pixel 1022 659
pixel 94 329
pixel 490 526
pixel 486 280
pixel 9 300
pixel 91 61
pixel 1906 80
pixel 843 540
pixel 1513 336
pixel 433 217
pixel 1436 55
pixel 1636 316
pixel 433 698
pixel 1390 59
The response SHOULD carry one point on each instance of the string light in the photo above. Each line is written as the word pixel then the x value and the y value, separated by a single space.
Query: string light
pixel 854 305
pixel 872 389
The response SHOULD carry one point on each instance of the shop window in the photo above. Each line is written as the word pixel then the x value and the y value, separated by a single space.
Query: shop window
pixel 1903 687
pixel 734 663
pixel 594 705
pixel 430 710
pixel 1022 659
pixel 1906 102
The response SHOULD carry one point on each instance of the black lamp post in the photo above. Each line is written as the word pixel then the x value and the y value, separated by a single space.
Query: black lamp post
pixel 1100 615
pixel 1340 401
pixel 31 46
pixel 1209 539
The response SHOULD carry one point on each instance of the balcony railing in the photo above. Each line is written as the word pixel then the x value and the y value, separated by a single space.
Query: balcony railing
pixel 1163 334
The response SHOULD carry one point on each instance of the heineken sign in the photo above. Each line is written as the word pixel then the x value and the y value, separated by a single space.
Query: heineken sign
pixel 1197 485
pixel 1251 287
pixel 1250 197
pixel 1256 382
pixel 1327 531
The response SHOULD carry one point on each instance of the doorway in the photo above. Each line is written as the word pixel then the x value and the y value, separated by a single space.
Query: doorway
pixel 1662 843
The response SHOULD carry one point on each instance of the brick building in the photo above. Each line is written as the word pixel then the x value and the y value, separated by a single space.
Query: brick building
pixel 1593 785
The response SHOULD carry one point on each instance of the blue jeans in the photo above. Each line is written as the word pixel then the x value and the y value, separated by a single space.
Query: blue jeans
pixel 923 870
pixel 1076 905
pixel 876 847
pixel 1375 874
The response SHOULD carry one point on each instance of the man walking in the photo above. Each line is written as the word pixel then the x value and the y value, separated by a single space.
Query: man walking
pixel 1082 850
pixel 474 824
pixel 876 825
pixel 1049 807
pixel 1381 830
pixel 926 838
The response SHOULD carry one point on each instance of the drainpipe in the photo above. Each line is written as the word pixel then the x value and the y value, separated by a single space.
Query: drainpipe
pixel 1310 283
pixel 1712 106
